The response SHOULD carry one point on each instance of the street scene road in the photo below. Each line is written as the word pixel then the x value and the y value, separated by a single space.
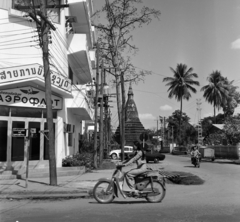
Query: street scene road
pixel 215 200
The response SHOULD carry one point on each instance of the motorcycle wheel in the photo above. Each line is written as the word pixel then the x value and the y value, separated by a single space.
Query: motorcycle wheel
pixel 155 198
pixel 101 194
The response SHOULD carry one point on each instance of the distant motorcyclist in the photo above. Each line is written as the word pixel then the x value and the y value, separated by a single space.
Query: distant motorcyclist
pixel 195 153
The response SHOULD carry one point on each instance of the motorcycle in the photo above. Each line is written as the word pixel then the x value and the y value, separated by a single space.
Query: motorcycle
pixel 196 161
pixel 150 185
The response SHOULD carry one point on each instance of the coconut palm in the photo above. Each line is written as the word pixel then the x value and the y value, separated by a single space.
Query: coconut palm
pixel 181 84
pixel 216 91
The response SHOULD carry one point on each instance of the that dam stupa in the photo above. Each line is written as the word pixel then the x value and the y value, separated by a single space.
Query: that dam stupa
pixel 133 126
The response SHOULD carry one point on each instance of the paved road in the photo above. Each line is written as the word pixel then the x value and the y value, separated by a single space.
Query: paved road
pixel 216 200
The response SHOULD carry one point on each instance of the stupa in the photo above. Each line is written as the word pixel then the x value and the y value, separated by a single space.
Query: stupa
pixel 133 125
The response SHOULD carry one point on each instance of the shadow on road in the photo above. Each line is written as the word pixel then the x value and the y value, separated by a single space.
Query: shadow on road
pixel 124 202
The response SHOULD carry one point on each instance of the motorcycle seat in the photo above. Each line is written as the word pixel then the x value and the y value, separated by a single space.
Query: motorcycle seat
pixel 149 173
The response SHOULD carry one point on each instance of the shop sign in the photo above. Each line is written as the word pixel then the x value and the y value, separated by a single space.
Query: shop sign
pixel 28 97
pixel 19 132
pixel 33 71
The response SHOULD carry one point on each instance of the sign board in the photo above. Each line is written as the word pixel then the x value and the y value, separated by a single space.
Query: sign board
pixel 143 136
pixel 33 130
pixel 19 132
pixel 32 71
pixel 28 97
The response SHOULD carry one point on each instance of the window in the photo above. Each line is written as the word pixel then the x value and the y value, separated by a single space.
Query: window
pixel 53 13
pixel 3 140
pixel 70 73
pixel 70 139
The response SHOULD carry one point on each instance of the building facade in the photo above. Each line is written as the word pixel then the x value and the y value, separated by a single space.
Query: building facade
pixel 22 85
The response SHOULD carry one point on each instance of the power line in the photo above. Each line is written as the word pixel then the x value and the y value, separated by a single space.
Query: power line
pixel 20 47
pixel 15 30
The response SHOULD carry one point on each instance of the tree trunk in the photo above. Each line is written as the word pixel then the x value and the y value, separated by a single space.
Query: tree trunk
pixel 180 120
pixel 214 112
pixel 119 106
pixel 123 115
pixel 101 118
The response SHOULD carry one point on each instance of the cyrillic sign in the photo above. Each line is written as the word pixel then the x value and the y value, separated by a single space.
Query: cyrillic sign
pixel 28 97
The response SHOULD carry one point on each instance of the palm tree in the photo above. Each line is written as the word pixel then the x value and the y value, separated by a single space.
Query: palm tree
pixel 181 84
pixel 216 91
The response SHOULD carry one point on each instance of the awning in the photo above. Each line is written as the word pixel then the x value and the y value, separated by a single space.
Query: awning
pixel 82 113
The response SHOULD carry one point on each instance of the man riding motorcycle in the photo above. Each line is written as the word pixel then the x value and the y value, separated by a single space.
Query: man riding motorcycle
pixel 195 154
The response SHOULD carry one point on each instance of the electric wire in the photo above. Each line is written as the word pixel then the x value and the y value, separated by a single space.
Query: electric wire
pixel 20 47
pixel 13 40
pixel 15 30
pixel 23 33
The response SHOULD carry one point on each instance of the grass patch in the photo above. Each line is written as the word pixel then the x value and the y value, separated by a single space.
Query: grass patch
pixel 186 179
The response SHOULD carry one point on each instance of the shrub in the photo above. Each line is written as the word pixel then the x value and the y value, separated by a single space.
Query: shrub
pixel 79 159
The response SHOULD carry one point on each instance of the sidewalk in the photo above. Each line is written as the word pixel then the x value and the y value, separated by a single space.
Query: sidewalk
pixel 78 186
pixel 39 188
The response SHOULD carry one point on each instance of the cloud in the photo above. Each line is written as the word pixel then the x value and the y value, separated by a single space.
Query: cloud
pixel 236 44
pixel 146 116
pixel 165 108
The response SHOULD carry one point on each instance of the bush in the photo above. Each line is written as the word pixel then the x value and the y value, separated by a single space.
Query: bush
pixel 79 159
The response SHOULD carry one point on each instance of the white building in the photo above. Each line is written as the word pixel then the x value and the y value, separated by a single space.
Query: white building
pixel 22 85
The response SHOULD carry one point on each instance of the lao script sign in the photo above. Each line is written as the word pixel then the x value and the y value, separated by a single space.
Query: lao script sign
pixel 33 71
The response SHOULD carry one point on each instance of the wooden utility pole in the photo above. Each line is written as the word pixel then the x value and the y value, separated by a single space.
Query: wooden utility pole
pixel 44 27
pixel 48 94
pixel 96 110
pixel 101 117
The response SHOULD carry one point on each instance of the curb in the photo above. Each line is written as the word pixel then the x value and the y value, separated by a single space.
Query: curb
pixel 83 195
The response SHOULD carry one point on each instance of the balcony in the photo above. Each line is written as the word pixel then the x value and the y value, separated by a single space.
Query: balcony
pixel 79 58
pixel 81 10
pixel 80 105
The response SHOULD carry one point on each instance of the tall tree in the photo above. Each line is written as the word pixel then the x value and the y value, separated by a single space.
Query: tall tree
pixel 115 35
pixel 232 101
pixel 181 84
pixel 216 91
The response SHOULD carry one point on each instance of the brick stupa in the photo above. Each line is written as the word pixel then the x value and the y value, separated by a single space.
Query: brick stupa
pixel 133 126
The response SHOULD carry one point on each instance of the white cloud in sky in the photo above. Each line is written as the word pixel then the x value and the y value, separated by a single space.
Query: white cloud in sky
pixel 236 44
pixel 165 108
pixel 146 116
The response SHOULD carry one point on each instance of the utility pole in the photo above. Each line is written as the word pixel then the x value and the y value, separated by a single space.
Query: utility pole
pixel 101 117
pixel 199 121
pixel 164 131
pixel 52 158
pixel 96 110
pixel 43 27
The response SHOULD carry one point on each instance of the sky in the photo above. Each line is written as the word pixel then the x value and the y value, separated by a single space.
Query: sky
pixel 203 34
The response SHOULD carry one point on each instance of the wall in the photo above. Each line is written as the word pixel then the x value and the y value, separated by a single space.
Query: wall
pixel 226 152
